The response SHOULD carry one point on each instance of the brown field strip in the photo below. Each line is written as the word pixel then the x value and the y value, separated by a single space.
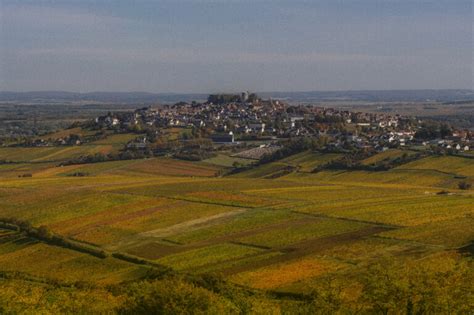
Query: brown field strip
pixel 163 232
pixel 187 225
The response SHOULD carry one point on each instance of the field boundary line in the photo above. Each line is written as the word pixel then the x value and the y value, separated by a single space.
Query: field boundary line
pixel 251 245
pixel 304 248
pixel 413 242
pixel 181 199
pixel 429 170
pixel 318 215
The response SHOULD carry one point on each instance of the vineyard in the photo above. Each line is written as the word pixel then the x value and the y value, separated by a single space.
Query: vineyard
pixel 284 234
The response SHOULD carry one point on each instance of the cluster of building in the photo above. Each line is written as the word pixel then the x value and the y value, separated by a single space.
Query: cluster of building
pixel 459 141
pixel 237 117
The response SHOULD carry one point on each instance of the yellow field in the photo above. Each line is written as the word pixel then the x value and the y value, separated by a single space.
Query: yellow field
pixel 389 154
pixel 445 164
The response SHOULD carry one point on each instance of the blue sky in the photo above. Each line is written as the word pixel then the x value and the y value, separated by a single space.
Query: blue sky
pixel 210 46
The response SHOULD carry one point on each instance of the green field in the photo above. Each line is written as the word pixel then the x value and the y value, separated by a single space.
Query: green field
pixel 285 233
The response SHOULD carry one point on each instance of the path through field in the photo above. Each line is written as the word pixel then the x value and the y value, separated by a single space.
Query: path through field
pixel 187 226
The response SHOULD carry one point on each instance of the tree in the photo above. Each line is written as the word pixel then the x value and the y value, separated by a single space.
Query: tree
pixel 385 288
pixel 328 298
pixel 44 233
pixel 237 164
pixel 173 297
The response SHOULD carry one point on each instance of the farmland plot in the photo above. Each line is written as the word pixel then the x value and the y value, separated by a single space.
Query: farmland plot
pixel 282 233
pixel 53 262
pixel 447 164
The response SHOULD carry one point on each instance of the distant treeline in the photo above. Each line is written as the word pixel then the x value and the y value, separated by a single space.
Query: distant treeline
pixel 100 157
pixel 353 163
pixel 433 130
pixel 8 162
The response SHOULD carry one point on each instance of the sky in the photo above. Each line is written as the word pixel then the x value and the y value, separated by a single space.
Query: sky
pixel 199 46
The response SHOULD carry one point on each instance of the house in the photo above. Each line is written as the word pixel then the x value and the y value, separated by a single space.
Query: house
pixel 139 143
pixel 294 119
pixel 111 121
pixel 257 127
pixel 223 138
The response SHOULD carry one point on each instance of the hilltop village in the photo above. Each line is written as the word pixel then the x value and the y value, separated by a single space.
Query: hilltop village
pixel 255 127
pixel 228 119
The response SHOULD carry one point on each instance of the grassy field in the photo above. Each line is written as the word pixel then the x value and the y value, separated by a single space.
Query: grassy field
pixel 67 132
pixel 446 164
pixel 226 160
pixel 282 234
pixel 308 161
pixel 387 155
pixel 110 144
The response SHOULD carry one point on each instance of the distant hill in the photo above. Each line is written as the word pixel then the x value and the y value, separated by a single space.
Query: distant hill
pixel 376 96
pixel 310 96
pixel 106 97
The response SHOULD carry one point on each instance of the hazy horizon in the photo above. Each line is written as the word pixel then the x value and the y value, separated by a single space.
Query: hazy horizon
pixel 234 91
pixel 213 46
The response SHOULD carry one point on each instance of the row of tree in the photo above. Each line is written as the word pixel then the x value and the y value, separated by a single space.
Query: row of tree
pixel 354 163
pixel 44 234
